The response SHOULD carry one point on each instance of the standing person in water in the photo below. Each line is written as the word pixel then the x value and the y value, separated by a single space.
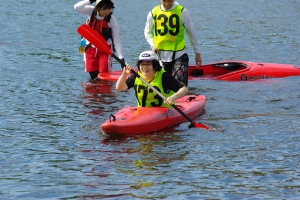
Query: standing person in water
pixel 100 18
pixel 151 71
pixel 164 31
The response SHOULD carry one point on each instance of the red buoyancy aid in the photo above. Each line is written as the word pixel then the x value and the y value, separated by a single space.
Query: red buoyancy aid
pixel 101 26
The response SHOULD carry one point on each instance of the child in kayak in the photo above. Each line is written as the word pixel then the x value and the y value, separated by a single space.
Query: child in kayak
pixel 100 18
pixel 151 71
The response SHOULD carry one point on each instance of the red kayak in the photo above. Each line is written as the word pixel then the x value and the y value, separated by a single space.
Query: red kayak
pixel 139 120
pixel 231 70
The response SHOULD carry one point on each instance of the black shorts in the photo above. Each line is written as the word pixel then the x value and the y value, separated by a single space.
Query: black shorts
pixel 179 68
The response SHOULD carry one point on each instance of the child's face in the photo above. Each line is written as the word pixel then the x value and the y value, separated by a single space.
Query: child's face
pixel 167 4
pixel 103 12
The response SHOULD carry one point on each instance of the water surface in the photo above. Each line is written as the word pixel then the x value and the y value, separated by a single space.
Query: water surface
pixel 51 145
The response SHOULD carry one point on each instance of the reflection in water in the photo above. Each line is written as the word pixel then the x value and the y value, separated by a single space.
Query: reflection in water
pixel 50 145
pixel 97 94
pixel 98 87
pixel 140 157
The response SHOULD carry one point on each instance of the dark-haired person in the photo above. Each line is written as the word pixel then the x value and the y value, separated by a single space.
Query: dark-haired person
pixel 165 32
pixel 100 18
pixel 150 70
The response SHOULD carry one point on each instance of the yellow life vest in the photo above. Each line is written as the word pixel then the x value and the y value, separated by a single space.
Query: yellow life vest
pixel 146 97
pixel 168 29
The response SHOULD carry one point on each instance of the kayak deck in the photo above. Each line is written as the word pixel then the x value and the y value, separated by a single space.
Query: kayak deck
pixel 242 71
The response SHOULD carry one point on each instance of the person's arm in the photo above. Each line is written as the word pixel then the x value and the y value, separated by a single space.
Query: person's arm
pixel 180 93
pixel 170 83
pixel 116 37
pixel 121 83
pixel 187 22
pixel 84 7
pixel 148 31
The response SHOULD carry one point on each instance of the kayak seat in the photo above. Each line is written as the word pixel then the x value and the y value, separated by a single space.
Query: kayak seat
pixel 230 66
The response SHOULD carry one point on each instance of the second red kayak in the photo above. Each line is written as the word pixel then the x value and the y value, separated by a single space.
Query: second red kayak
pixel 139 120
pixel 231 70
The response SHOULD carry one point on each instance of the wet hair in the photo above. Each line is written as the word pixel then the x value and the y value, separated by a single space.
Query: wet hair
pixel 155 64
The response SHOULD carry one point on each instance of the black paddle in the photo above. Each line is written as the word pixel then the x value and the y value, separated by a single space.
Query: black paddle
pixel 99 42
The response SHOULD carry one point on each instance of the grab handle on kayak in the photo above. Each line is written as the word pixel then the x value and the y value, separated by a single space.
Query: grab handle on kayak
pixel 112 116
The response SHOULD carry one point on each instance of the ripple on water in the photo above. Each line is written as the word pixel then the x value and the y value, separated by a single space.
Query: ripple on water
pixel 51 146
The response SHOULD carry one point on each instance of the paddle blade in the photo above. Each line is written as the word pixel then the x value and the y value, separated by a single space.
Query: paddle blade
pixel 196 125
pixel 95 38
